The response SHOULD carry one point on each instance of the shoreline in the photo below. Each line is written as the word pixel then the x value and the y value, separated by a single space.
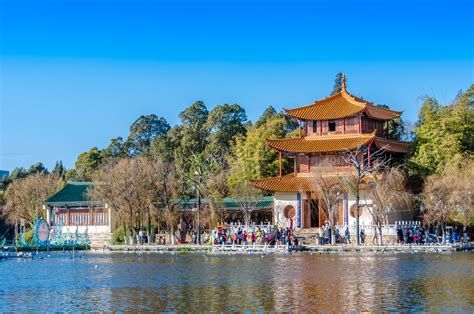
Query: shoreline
pixel 323 249
pixel 281 249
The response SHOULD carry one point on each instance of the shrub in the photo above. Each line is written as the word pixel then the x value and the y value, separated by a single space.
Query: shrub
pixel 117 236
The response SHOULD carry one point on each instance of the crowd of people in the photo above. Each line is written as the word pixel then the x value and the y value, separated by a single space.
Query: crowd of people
pixel 421 235
pixel 272 235
pixel 254 235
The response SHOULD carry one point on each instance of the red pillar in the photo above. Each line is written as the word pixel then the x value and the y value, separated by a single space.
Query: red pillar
pixel 368 157
pixel 344 126
pixel 309 164
pixel 360 123
pixel 299 128
pixel 279 159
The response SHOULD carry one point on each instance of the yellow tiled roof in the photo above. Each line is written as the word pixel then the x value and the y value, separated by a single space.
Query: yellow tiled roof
pixel 341 105
pixel 392 145
pixel 287 183
pixel 293 182
pixel 320 144
pixel 298 183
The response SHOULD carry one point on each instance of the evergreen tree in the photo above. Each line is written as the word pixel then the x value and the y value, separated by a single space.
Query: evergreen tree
pixel 86 164
pixel 142 133
pixel 337 87
pixel 59 169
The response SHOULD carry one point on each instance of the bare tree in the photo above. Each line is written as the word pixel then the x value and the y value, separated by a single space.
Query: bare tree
pixel 125 186
pixel 248 199
pixel 166 189
pixel 364 165
pixel 462 185
pixel 216 190
pixel 330 190
pixel 448 196
pixel 436 199
pixel 388 193
pixel 25 197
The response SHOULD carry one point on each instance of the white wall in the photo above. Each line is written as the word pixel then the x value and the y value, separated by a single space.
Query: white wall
pixel 91 230
pixel 365 218
pixel 280 201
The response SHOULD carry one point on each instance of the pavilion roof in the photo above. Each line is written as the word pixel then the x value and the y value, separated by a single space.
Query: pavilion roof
pixel 73 193
pixel 341 105
pixel 292 182
pixel 335 143
pixel 301 182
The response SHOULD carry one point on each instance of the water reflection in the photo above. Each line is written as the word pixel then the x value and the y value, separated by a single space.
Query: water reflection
pixel 198 282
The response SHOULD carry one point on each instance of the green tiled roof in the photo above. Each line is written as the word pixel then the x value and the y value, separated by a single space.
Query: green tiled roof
pixel 71 193
pixel 229 203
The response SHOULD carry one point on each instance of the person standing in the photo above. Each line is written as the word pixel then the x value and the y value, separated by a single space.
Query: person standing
pixel 362 236
pixel 347 235
pixel 375 237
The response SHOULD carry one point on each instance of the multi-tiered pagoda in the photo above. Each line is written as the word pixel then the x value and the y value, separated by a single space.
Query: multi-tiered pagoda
pixel 328 128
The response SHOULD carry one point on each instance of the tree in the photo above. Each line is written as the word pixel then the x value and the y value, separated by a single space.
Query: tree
pixel 166 187
pixel 396 128
pixel 461 180
pixel 388 193
pixel 193 136
pixel 337 87
pixel 126 186
pixel 330 190
pixel 71 175
pixel 18 173
pixel 165 147
pixel 25 197
pixel 443 134
pixel 436 200
pixel 248 199
pixel 59 169
pixel 252 157
pixel 143 131
pixel 37 168
pixel 225 122
pixel 114 150
pixel 87 163
pixel 362 170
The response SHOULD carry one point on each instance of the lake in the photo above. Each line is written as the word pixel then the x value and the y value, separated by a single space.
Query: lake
pixel 203 282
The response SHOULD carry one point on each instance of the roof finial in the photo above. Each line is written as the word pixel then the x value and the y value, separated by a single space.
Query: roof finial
pixel 343 80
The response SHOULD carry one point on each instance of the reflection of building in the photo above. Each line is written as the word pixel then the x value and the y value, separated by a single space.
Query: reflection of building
pixel 71 208
pixel 327 128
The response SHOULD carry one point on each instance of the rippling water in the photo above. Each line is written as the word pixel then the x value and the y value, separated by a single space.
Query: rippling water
pixel 200 282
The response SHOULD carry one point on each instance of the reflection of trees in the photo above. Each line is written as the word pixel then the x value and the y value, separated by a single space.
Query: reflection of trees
pixel 236 283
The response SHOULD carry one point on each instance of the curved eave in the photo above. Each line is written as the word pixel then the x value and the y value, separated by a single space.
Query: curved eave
pixel 339 106
pixel 382 114
pixel 392 146
pixel 319 145
pixel 288 183
pixel 291 183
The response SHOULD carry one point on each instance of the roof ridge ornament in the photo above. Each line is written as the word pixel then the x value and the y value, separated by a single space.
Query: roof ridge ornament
pixel 343 81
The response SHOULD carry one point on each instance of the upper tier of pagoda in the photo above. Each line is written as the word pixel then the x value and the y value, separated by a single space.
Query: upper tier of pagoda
pixel 341 105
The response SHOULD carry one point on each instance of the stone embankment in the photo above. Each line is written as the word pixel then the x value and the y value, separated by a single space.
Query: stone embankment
pixel 323 249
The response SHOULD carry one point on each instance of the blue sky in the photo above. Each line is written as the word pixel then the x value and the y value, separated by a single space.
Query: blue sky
pixel 74 74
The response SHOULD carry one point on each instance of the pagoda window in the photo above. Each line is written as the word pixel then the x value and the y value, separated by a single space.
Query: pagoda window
pixel 315 126
pixel 332 126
